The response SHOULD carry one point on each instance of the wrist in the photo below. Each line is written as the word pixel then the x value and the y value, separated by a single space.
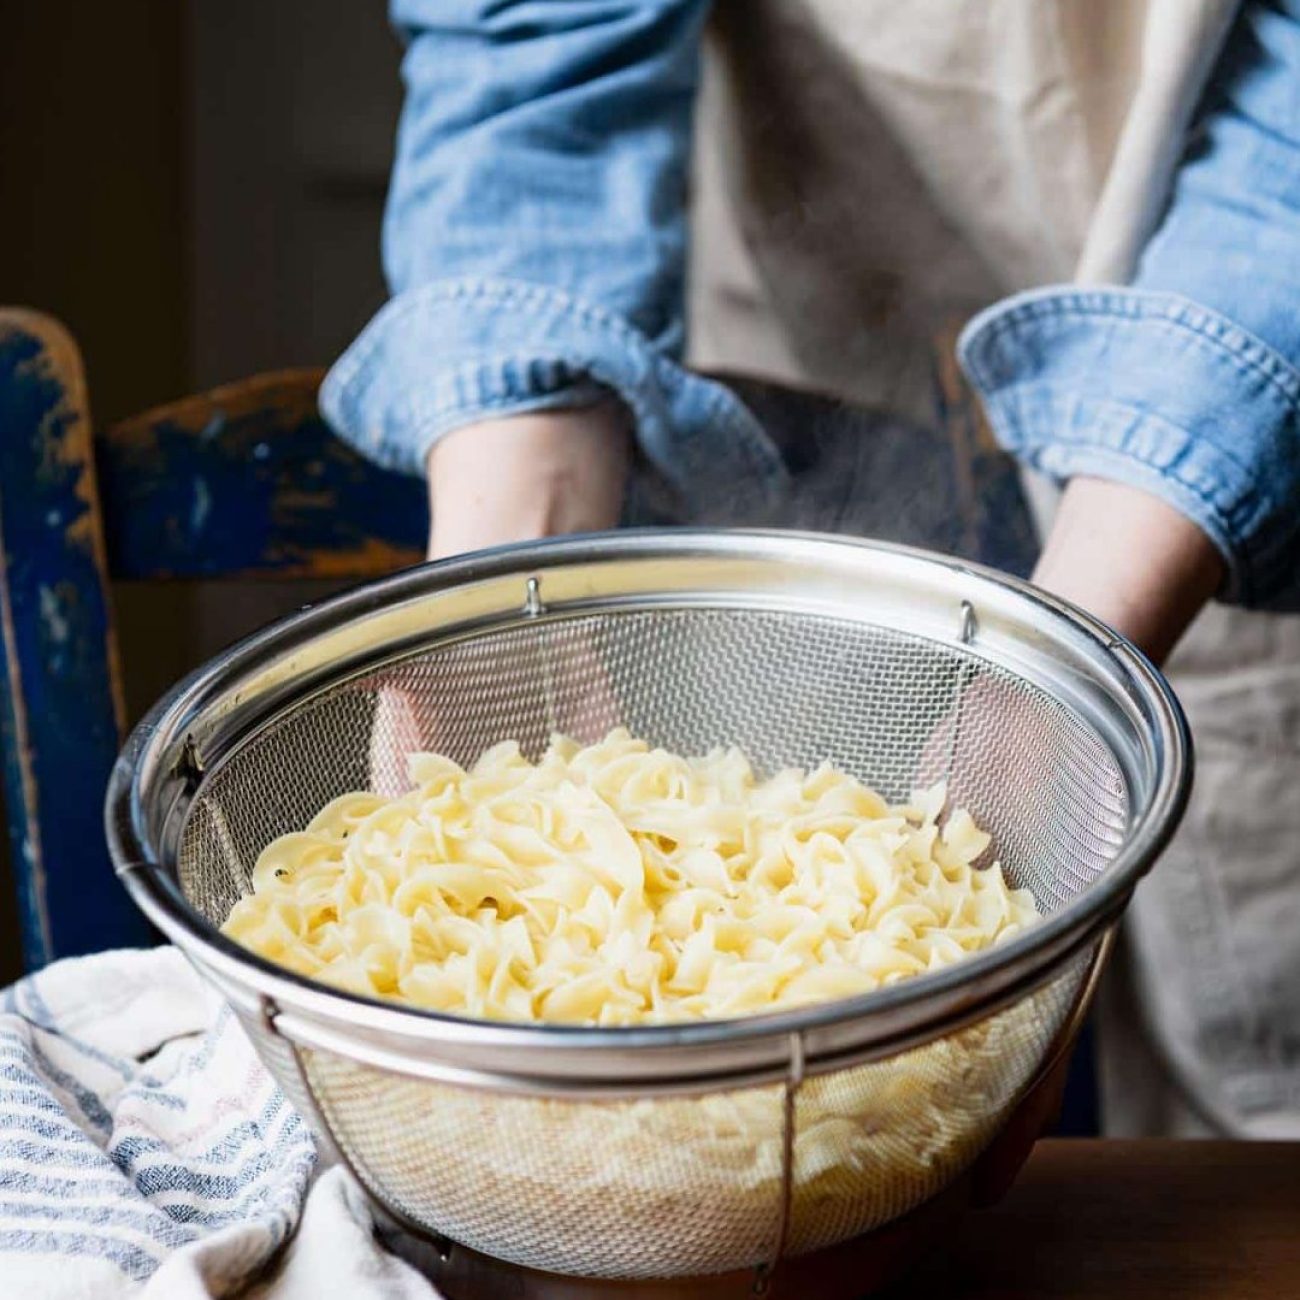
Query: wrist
pixel 528 476
pixel 1131 560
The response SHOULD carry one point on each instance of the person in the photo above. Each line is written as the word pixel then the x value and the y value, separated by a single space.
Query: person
pixel 1106 194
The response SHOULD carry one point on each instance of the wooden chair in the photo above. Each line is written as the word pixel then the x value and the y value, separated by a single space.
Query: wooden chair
pixel 245 481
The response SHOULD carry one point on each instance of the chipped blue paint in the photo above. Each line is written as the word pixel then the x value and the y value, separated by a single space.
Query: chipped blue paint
pixel 202 506
pixel 70 901
pixel 52 615
pixel 233 499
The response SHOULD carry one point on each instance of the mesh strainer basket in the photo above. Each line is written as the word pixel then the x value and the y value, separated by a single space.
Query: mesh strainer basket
pixel 663 1152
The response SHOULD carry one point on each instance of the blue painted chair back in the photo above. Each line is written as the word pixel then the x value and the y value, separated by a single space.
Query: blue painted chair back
pixel 245 481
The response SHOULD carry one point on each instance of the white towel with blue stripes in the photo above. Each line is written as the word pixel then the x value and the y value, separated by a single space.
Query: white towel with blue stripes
pixel 145 1152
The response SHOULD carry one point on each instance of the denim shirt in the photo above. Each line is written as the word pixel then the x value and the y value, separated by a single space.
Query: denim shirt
pixel 535 242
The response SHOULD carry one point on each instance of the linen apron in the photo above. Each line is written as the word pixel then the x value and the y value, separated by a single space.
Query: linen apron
pixel 868 175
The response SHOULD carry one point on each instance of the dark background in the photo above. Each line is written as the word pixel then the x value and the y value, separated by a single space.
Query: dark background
pixel 195 188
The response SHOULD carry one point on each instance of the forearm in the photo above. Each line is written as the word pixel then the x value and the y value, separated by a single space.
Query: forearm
pixel 1131 560
pixel 1186 383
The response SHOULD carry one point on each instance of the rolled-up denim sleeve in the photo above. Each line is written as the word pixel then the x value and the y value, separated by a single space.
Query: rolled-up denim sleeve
pixel 535 235
pixel 1185 383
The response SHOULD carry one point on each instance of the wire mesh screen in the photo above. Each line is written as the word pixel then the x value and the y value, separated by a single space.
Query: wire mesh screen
pixel 687 1185
pixel 683 1186
pixel 874 1141
pixel 669 1187
pixel 890 708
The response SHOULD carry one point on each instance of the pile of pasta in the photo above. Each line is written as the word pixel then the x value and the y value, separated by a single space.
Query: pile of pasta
pixel 618 883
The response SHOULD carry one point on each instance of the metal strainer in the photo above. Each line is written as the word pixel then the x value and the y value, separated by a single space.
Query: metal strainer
pixel 669 1151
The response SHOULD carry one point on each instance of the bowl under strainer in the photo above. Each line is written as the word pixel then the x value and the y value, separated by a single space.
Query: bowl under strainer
pixel 690 1149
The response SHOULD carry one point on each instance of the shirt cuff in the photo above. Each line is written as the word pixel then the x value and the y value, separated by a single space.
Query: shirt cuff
pixel 454 352
pixel 1156 391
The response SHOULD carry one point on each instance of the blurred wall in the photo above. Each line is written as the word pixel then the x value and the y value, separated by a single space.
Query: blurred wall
pixel 93 186
pixel 195 188
pixel 291 122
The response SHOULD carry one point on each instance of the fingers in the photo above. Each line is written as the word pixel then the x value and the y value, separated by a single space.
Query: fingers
pixel 523 686
pixel 395 733
pixel 996 730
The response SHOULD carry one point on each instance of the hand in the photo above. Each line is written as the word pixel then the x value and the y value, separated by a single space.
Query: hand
pixel 1131 560
pixel 528 476
pixel 558 682
pixel 500 481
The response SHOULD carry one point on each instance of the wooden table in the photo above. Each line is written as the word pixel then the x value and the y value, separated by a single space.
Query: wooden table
pixel 1117 1220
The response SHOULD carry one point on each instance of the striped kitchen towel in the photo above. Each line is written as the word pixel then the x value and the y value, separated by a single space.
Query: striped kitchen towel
pixel 145 1152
